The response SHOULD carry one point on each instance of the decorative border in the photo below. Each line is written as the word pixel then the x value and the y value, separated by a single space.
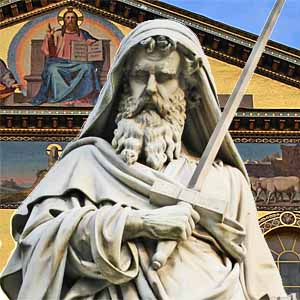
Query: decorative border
pixel 37 111
pixel 277 113
pixel 10 205
pixel 69 136
pixel 266 140
pixel 279 219
pixel 46 138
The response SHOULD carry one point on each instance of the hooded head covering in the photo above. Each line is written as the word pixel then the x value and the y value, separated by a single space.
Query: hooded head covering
pixel 203 109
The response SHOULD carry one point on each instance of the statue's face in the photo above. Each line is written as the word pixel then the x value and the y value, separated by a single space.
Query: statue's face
pixel 154 73
pixel 151 112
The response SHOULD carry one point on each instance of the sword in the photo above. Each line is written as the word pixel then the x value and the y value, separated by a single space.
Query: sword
pixel 165 193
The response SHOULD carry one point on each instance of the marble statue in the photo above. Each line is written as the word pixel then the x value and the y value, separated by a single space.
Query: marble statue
pixel 89 231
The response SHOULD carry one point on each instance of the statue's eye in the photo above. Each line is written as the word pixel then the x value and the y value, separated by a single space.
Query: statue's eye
pixel 162 77
pixel 140 75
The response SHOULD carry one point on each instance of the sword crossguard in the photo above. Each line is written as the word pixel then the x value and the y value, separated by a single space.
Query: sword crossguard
pixel 164 193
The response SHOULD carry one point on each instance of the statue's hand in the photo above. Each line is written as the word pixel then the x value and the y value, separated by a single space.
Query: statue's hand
pixel 175 222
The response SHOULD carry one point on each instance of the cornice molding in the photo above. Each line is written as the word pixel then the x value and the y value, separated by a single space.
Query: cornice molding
pixel 248 126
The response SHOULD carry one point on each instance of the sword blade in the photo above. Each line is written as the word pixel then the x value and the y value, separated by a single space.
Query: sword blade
pixel 234 101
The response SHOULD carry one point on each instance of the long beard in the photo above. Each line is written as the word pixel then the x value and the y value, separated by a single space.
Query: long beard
pixel 150 128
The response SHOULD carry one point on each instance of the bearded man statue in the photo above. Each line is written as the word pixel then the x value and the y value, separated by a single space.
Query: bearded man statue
pixel 89 231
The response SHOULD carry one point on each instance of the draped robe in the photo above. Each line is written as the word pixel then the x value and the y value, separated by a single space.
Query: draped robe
pixel 69 236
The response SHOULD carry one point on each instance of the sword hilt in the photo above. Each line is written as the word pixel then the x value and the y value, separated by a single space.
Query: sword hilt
pixel 164 193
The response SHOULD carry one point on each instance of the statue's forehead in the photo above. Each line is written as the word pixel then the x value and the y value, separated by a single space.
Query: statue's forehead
pixel 163 63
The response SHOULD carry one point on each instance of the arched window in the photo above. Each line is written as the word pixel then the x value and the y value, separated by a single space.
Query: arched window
pixel 285 248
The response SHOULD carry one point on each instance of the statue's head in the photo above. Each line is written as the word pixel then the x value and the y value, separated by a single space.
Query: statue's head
pixel 159 91
pixel 151 112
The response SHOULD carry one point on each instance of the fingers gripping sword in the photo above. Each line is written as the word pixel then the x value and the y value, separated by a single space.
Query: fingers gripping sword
pixel 164 193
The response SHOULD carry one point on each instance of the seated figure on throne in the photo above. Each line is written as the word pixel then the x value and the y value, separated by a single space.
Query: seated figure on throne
pixel 63 79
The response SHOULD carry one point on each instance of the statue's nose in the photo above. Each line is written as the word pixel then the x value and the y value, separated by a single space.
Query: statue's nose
pixel 151 87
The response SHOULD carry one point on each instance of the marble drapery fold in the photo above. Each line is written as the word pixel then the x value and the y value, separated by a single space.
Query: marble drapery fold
pixel 70 240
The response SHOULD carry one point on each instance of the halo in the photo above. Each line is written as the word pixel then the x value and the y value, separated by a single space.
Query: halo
pixel 50 146
pixel 60 15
